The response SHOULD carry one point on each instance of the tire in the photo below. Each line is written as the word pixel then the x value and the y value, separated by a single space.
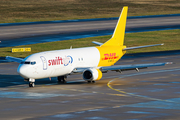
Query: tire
pixel 59 79
pixel 62 79
pixel 31 84
pixel 89 81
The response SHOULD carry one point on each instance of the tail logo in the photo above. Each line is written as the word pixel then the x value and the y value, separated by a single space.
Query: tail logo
pixel 110 56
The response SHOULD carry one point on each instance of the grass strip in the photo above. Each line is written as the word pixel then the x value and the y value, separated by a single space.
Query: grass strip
pixel 47 10
pixel 170 38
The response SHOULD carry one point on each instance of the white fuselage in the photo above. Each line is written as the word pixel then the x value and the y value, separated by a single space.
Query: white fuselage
pixel 58 62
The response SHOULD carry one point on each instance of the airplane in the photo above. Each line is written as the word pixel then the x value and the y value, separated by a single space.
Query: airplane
pixel 91 62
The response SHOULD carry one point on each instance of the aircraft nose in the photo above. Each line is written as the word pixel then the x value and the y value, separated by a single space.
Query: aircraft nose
pixel 22 70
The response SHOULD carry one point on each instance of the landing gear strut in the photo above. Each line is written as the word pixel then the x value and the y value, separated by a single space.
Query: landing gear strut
pixel 31 82
pixel 62 79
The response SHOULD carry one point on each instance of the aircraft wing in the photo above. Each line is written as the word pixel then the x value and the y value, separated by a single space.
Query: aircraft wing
pixel 14 59
pixel 120 68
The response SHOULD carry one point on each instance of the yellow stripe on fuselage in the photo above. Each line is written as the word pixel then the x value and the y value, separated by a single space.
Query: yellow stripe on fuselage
pixel 109 55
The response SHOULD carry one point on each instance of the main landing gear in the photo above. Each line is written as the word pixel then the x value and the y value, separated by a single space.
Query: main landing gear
pixel 62 79
pixel 91 81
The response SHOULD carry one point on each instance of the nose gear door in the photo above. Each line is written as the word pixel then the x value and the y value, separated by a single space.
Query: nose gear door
pixel 44 61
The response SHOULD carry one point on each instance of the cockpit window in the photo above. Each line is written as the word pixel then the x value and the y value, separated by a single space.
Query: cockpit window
pixel 33 63
pixel 28 62
pixel 25 62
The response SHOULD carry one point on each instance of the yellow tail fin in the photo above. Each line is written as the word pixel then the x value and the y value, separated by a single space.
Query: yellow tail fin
pixel 117 38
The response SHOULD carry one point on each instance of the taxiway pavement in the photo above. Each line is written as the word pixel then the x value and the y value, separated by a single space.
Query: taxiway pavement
pixel 152 93
pixel 14 35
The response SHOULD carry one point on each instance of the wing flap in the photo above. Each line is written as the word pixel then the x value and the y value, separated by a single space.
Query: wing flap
pixel 14 59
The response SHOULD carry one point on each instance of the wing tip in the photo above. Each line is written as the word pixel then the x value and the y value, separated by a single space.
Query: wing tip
pixel 7 57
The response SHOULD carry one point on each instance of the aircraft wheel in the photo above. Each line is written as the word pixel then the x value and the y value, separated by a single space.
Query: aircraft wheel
pixel 59 79
pixel 31 84
pixel 65 78
pixel 62 79
pixel 89 81
pixel 93 81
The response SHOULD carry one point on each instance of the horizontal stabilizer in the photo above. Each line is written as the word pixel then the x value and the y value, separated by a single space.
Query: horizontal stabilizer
pixel 130 48
pixel 14 59
pixel 97 43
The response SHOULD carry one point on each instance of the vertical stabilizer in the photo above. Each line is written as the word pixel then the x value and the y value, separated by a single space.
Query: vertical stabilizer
pixel 117 38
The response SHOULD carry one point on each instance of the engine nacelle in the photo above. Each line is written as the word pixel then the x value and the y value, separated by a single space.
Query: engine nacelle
pixel 92 74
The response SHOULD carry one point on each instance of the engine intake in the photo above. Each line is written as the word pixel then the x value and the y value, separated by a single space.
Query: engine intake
pixel 92 74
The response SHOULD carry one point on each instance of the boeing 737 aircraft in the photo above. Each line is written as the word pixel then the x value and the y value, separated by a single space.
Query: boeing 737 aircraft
pixel 90 61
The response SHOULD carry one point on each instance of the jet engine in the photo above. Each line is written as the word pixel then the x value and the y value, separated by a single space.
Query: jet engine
pixel 92 74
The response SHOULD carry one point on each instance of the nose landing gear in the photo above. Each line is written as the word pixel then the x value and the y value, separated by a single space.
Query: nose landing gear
pixel 31 82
